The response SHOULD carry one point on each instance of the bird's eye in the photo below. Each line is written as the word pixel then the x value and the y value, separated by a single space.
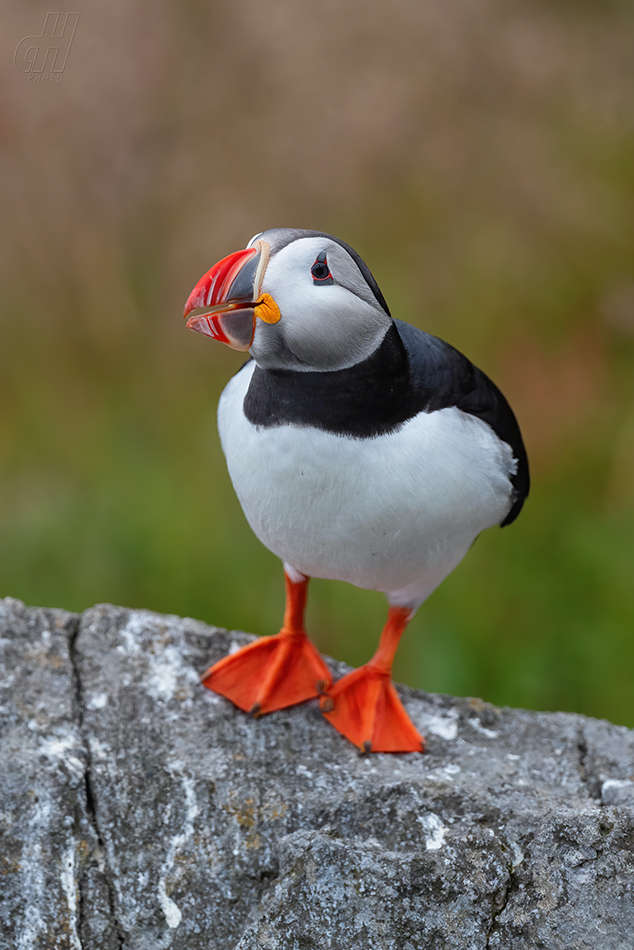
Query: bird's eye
pixel 321 271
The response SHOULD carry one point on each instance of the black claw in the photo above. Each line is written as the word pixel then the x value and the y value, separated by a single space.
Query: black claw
pixel 255 710
pixel 366 746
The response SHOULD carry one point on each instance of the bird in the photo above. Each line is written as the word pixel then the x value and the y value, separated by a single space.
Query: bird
pixel 361 449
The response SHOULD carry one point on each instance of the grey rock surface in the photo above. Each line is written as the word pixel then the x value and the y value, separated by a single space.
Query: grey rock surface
pixel 140 811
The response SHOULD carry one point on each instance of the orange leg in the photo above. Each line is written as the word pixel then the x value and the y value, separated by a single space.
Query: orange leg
pixel 364 706
pixel 273 672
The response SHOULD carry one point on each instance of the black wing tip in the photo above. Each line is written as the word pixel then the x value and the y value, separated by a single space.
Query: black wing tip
pixel 522 487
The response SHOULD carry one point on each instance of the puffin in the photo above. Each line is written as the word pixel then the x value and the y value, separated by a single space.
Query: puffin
pixel 361 449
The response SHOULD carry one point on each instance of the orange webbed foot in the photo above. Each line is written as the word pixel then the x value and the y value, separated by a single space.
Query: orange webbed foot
pixel 271 673
pixel 365 708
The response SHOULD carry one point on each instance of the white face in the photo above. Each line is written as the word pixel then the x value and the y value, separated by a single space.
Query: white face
pixel 323 325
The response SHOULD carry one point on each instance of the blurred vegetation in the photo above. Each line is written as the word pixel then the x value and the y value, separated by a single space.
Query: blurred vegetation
pixel 480 157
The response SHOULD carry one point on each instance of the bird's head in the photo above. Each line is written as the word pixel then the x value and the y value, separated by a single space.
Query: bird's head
pixel 294 299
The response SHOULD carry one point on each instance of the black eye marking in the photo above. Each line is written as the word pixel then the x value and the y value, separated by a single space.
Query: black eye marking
pixel 321 271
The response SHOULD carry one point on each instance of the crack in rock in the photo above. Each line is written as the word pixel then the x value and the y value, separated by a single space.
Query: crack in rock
pixel 499 905
pixel 91 808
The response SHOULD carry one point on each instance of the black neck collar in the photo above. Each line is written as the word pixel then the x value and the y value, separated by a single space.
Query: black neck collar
pixel 368 399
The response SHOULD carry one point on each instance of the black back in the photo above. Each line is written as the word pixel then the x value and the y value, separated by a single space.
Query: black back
pixel 410 372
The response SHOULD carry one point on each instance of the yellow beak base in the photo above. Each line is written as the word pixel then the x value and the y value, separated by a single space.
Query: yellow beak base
pixel 266 309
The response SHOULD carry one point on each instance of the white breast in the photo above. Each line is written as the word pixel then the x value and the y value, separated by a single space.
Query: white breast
pixel 394 513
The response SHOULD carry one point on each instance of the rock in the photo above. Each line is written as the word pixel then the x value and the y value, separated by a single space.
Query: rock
pixel 141 811
pixel 54 892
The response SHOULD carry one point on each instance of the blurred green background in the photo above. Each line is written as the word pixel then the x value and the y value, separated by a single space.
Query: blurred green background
pixel 480 157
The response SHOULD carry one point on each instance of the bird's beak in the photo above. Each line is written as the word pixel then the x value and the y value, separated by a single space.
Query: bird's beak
pixel 229 294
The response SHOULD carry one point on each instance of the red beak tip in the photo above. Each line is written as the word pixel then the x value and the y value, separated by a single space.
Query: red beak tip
pixel 195 323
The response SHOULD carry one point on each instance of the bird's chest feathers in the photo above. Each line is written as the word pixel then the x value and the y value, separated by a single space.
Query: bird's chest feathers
pixel 321 501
